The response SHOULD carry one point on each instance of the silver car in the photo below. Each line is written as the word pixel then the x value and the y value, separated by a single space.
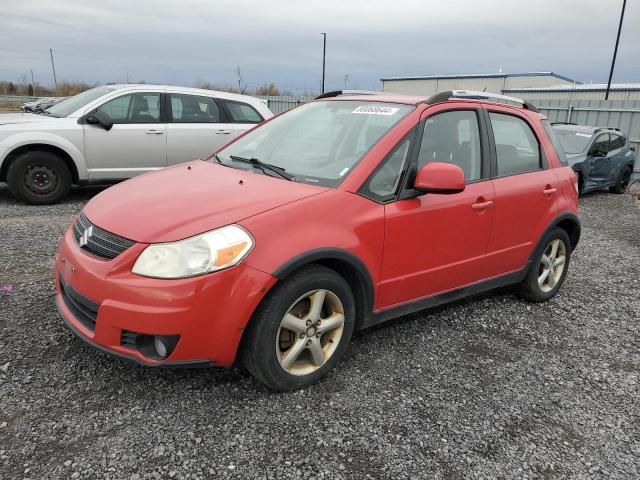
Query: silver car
pixel 115 132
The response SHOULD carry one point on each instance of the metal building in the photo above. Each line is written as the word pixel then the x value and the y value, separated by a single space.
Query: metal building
pixel 594 91
pixel 492 82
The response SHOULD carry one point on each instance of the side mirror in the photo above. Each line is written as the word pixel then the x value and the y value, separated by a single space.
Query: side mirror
pixel 100 118
pixel 439 177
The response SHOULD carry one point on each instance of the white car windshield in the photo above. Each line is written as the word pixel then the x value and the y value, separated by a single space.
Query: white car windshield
pixel 319 142
pixel 572 141
pixel 71 104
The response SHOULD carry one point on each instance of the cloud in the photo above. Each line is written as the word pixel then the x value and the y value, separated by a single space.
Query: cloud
pixel 182 42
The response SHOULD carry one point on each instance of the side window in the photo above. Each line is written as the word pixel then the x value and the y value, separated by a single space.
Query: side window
pixel 617 141
pixel 133 108
pixel 193 109
pixel 600 145
pixel 242 112
pixel 453 137
pixel 517 149
pixel 383 184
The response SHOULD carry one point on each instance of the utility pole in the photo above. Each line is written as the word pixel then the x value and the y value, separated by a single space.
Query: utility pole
pixel 615 50
pixel 53 67
pixel 346 81
pixel 324 56
pixel 33 84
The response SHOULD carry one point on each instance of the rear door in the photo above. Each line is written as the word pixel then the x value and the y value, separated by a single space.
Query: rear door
pixel 525 188
pixel 135 144
pixel 242 115
pixel 618 154
pixel 435 243
pixel 197 126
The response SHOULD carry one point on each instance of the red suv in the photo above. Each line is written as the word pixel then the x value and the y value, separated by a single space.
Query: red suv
pixel 335 216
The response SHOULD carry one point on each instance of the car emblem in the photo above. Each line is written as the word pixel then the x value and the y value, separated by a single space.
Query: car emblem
pixel 86 235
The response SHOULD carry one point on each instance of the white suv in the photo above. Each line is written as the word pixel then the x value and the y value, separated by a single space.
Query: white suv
pixel 115 132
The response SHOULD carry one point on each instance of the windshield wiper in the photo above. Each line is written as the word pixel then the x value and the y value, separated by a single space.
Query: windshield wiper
pixel 281 172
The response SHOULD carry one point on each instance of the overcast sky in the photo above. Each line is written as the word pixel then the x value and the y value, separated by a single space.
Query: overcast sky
pixel 186 41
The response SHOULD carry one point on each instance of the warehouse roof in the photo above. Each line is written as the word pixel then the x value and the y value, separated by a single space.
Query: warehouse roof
pixel 584 87
pixel 482 75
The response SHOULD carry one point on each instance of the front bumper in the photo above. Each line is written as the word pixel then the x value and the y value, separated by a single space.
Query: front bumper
pixel 209 313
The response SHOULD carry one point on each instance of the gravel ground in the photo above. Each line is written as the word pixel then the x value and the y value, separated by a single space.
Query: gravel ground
pixel 492 387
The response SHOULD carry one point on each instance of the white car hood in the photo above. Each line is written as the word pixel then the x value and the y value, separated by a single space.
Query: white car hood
pixel 13 118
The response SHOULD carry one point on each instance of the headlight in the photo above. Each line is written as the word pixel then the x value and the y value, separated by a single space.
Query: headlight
pixel 204 253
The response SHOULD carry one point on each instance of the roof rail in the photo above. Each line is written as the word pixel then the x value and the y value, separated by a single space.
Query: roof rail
pixel 474 95
pixel 563 123
pixel 336 93
pixel 599 129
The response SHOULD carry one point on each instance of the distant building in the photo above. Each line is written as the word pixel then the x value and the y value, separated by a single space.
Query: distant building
pixel 585 91
pixel 492 82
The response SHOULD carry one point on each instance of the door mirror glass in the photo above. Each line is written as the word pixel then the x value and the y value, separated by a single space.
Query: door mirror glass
pixel 439 177
pixel 100 118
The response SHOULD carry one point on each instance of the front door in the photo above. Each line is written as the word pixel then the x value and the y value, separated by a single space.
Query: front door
pixel 135 144
pixel 437 242
pixel 599 161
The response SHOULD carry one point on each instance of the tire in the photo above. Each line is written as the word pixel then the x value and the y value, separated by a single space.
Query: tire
pixel 534 290
pixel 39 178
pixel 281 358
pixel 624 177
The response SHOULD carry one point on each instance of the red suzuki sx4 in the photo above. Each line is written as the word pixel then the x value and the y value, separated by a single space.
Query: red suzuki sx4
pixel 337 215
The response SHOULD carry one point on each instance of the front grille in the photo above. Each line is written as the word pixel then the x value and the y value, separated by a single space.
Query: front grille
pixel 83 309
pixel 99 243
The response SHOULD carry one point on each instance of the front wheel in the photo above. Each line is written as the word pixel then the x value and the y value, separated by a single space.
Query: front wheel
pixel 301 330
pixel 549 268
pixel 622 182
pixel 39 178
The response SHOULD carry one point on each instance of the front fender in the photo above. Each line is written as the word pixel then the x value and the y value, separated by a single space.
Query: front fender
pixel 21 139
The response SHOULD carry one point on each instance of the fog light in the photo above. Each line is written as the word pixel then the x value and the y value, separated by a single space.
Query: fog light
pixel 161 347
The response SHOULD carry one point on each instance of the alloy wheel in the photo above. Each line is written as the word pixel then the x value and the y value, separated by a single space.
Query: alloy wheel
pixel 552 265
pixel 310 332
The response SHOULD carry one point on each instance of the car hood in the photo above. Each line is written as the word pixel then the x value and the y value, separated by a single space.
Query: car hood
pixel 188 199
pixel 13 118
pixel 573 158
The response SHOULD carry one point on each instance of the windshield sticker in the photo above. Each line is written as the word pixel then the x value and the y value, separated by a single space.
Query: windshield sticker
pixel 588 135
pixel 375 110
pixel 344 170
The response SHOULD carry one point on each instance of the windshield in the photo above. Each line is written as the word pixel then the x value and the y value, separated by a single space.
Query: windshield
pixel 319 142
pixel 572 141
pixel 71 104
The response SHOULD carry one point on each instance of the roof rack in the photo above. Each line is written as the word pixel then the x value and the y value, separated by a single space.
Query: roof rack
pixel 336 93
pixel 474 95
pixel 599 129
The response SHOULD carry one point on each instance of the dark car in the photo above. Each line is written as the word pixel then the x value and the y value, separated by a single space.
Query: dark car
pixel 601 157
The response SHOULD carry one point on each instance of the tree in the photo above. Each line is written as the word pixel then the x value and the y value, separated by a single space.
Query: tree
pixel 12 88
pixel 30 90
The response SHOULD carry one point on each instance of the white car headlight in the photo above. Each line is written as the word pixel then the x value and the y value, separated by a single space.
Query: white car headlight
pixel 204 253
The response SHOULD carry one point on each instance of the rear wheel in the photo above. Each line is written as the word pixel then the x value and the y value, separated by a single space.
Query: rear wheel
pixel 39 178
pixel 549 268
pixel 301 330
pixel 622 182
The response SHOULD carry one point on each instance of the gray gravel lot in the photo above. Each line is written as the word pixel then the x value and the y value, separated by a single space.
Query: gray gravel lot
pixel 492 387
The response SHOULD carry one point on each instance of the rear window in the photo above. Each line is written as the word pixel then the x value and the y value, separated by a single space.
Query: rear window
pixel 242 112
pixel 556 142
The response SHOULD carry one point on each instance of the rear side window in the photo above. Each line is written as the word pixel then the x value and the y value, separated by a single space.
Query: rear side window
pixel 555 141
pixel 617 141
pixel 517 149
pixel 242 112
pixel 453 137
pixel 133 108
pixel 193 109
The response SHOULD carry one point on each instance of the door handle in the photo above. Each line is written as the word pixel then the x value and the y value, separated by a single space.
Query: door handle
pixel 482 205
pixel 154 132
pixel 223 132
pixel 549 191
